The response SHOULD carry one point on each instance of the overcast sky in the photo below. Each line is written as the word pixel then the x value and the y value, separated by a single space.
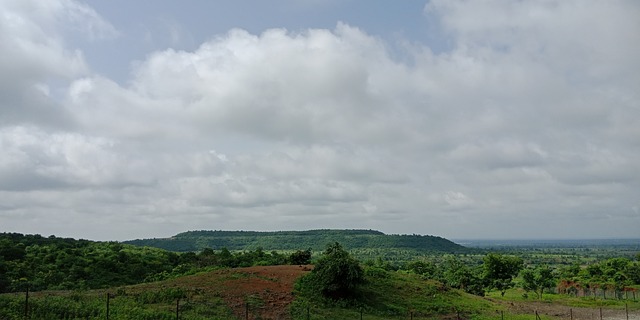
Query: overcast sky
pixel 464 119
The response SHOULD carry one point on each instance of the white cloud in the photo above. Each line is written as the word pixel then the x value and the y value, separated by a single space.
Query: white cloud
pixel 531 116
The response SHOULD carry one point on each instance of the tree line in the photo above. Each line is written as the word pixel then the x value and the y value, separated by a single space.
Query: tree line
pixel 54 263
pixel 501 272
pixel 293 240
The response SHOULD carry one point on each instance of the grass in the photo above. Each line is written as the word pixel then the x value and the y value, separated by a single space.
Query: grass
pixel 386 295
pixel 520 295
pixel 397 295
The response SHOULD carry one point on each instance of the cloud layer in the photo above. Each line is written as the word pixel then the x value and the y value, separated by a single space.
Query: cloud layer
pixel 530 117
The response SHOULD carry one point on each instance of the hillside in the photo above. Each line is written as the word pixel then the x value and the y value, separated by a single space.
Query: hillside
pixel 316 240
pixel 265 292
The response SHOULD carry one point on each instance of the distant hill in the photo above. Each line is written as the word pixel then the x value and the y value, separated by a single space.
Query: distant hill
pixel 295 240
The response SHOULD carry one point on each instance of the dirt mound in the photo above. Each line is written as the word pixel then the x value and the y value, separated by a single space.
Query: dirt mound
pixel 262 292
pixel 266 290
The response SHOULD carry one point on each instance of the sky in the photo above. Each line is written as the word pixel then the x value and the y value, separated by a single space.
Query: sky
pixel 481 119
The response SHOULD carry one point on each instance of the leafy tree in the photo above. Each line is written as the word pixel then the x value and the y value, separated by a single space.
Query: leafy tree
pixel 337 274
pixel 499 271
pixel 458 274
pixel 633 272
pixel 426 269
pixel 537 279
pixel 571 272
pixel 300 257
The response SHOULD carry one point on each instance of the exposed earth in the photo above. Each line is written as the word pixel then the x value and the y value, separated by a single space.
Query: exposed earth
pixel 266 289
pixel 269 288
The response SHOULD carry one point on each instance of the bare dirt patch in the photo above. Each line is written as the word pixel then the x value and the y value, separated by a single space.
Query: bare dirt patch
pixel 264 292
pixel 268 290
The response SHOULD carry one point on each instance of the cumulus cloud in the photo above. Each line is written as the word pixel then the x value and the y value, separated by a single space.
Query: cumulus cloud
pixel 34 56
pixel 529 116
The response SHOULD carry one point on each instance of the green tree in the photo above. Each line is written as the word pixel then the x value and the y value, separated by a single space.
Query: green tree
pixel 337 274
pixel 300 257
pixel 426 269
pixel 537 279
pixel 499 271
pixel 457 274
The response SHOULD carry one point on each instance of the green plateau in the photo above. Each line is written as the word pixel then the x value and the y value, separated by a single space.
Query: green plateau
pixel 316 240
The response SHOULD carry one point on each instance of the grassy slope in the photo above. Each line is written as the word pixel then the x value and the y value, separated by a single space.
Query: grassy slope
pixel 398 295
pixel 223 294
pixel 215 295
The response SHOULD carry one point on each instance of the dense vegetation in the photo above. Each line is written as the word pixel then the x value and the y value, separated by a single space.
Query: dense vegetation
pixel 293 240
pixel 60 264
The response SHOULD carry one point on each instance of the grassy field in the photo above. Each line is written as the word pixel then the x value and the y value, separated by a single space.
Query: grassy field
pixel 260 292
pixel 268 293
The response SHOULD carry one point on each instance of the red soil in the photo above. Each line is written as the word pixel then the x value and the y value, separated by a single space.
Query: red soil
pixel 270 288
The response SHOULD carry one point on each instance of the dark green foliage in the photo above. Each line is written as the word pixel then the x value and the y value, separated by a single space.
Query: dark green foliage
pixel 336 274
pixel 58 263
pixel 300 257
pixel 293 240
pixel 615 273
pixel 458 274
pixel 426 269
pixel 537 279
pixel 62 264
pixel 499 271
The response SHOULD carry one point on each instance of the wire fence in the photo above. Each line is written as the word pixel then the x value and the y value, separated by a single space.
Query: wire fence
pixel 110 307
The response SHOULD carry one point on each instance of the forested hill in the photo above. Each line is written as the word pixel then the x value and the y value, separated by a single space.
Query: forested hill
pixel 294 240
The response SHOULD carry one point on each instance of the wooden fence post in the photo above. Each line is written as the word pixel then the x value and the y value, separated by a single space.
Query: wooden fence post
pixel 178 309
pixel 626 309
pixel 26 303
pixel 108 296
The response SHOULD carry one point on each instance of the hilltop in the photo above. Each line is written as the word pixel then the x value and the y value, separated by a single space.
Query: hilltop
pixel 316 240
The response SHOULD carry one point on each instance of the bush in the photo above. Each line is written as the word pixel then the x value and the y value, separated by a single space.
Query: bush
pixel 336 275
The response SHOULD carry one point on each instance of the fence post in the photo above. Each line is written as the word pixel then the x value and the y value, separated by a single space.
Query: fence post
pixel 571 314
pixel 626 309
pixel 360 313
pixel 108 296
pixel 178 309
pixel 308 313
pixel 600 313
pixel 246 310
pixel 26 303
pixel 502 314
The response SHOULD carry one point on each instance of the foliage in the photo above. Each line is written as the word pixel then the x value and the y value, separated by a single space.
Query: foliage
pixel 499 271
pixel 390 295
pixel 336 274
pixel 458 274
pixel 537 279
pixel 58 263
pixel 293 240
pixel 300 257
